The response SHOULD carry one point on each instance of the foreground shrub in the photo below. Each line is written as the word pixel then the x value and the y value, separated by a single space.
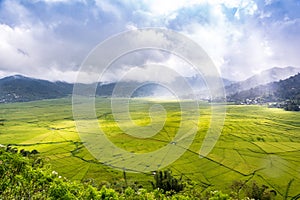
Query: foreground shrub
pixel 24 176
pixel 164 180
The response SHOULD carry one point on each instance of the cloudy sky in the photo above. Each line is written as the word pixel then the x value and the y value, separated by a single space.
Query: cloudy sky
pixel 49 39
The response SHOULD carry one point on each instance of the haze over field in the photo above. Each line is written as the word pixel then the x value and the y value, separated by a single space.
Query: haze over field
pixel 49 39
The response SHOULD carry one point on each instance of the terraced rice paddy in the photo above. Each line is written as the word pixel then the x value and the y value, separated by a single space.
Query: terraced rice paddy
pixel 257 143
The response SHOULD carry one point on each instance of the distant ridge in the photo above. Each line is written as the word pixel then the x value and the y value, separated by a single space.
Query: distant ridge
pixel 18 88
pixel 267 76
pixel 285 91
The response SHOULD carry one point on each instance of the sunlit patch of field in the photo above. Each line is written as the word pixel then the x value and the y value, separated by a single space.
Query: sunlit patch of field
pixel 257 143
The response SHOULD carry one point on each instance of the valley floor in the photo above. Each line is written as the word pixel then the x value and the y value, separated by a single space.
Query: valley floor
pixel 257 143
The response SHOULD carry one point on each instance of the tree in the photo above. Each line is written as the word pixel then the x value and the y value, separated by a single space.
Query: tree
pixel 165 181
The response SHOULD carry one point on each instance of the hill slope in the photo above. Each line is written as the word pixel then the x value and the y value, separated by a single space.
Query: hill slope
pixel 283 90
pixel 267 76
pixel 20 89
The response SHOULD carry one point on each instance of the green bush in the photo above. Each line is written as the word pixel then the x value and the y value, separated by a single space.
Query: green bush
pixel 164 180
pixel 23 176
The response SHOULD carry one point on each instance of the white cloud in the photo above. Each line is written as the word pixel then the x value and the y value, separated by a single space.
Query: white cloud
pixel 220 35
pixel 211 39
pixel 240 47
pixel 241 37
pixel 158 7
pixel 32 49
pixel 12 40
pixel 131 26
pixel 106 6
pixel 268 2
pixel 215 37
pixel 61 1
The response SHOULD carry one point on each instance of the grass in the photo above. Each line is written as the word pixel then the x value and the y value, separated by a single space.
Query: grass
pixel 257 143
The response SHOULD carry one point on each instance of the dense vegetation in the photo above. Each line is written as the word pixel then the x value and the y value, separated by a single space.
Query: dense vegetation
pixel 267 76
pixel 23 175
pixel 285 92
pixel 21 89
pixel 26 177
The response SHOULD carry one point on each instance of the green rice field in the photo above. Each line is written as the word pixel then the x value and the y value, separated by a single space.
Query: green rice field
pixel 257 143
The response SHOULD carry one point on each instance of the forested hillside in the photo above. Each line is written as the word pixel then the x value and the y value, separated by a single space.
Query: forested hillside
pixel 286 92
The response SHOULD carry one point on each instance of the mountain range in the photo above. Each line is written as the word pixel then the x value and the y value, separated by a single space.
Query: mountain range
pixel 19 88
pixel 286 94
pixel 272 92
pixel 267 76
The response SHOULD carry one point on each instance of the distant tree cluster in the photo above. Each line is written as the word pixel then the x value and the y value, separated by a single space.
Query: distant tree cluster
pixel 165 181
pixel 292 105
